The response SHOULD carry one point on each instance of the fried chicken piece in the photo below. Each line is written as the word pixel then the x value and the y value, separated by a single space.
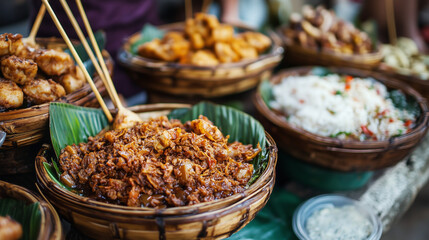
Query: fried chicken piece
pixel 196 40
pixel 257 40
pixel 166 50
pixel 27 52
pixel 222 33
pixel 243 49
pixel 9 43
pixel 207 20
pixel 225 53
pixel 11 95
pixel 72 80
pixel 18 69
pixel 54 62
pixel 204 58
pixel 10 229
pixel 41 91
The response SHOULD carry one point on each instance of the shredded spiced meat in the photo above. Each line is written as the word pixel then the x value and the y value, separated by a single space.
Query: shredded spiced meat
pixel 159 163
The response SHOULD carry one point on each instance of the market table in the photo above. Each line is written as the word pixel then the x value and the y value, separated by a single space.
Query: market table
pixel 390 191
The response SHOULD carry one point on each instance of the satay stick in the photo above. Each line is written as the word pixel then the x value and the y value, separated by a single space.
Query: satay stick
pixel 86 46
pixel 124 117
pixel 115 97
pixel 78 60
pixel 188 9
pixel 206 5
pixel 31 39
pixel 391 27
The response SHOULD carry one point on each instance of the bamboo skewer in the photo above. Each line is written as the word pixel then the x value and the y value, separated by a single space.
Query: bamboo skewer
pixel 391 27
pixel 188 9
pixel 86 46
pixel 78 60
pixel 206 5
pixel 31 39
pixel 125 117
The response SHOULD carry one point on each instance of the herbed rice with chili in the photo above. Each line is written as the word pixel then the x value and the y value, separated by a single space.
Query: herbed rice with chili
pixel 340 106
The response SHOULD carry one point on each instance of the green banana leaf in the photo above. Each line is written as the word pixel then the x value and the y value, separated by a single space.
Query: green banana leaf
pixel 100 38
pixel 28 215
pixel 274 221
pixel 71 124
pixel 148 33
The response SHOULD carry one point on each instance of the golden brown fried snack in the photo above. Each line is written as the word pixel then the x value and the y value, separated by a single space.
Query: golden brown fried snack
pixel 72 80
pixel 10 229
pixel 222 33
pixel 243 49
pixel 54 62
pixel 18 69
pixel 11 95
pixel 225 53
pixel 41 91
pixel 257 40
pixel 204 58
pixel 197 41
pixel 9 43
pixel 166 50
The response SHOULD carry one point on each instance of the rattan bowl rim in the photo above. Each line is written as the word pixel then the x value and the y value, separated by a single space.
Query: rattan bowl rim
pixel 359 146
pixel 44 178
pixel 126 58
pixel 45 209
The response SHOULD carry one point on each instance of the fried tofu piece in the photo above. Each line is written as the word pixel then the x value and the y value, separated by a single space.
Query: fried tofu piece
pixel 54 62
pixel 224 53
pixel 19 70
pixel 257 40
pixel 9 43
pixel 73 80
pixel 243 49
pixel 204 58
pixel 11 95
pixel 40 91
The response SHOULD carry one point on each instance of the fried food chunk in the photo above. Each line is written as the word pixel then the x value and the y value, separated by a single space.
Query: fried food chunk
pixel 9 43
pixel 205 42
pixel 41 91
pixel 320 28
pixel 243 49
pixel 159 163
pixel 168 49
pixel 222 33
pixel 257 40
pixel 225 53
pixel 18 69
pixel 11 95
pixel 10 229
pixel 54 62
pixel 204 58
pixel 72 80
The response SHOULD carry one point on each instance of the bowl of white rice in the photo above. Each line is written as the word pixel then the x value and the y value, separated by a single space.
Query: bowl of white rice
pixel 341 118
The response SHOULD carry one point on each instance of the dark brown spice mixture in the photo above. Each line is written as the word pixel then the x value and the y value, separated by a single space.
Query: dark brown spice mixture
pixel 159 163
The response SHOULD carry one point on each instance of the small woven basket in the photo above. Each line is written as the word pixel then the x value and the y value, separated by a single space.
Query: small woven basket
pixel 334 153
pixel 210 220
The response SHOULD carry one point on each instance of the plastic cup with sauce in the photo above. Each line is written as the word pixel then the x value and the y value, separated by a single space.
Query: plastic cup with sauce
pixel 316 204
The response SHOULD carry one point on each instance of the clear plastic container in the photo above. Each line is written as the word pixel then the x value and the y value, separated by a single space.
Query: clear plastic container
pixel 305 210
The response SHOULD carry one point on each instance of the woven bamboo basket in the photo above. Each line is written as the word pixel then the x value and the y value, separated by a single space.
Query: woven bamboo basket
pixel 299 56
pixel 211 220
pixel 188 80
pixel 422 86
pixel 27 128
pixel 50 224
pixel 334 153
